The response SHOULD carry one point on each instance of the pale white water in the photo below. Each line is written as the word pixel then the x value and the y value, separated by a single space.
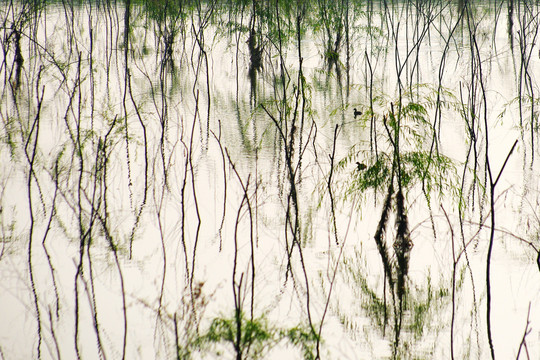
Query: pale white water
pixel 154 278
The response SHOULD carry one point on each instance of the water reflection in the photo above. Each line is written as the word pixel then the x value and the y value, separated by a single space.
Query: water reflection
pixel 261 179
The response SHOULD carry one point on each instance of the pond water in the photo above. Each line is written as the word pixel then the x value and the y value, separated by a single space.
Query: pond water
pixel 312 179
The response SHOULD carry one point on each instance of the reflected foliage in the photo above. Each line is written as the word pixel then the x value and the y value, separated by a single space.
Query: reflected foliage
pixel 335 161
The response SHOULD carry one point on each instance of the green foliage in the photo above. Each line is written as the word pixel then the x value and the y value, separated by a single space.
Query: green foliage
pixel 422 305
pixel 8 136
pixel 161 10
pixel 304 338
pixel 435 172
pixel 375 176
pixel 528 108
pixel 403 155
pixel 253 332
pixel 8 229
pixel 405 132
pixel 373 305
pixel 253 338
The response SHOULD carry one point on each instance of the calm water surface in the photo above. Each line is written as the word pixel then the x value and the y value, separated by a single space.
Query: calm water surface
pixel 173 176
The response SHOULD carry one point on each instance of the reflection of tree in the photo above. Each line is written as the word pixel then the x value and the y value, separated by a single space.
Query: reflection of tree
pixel 398 164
